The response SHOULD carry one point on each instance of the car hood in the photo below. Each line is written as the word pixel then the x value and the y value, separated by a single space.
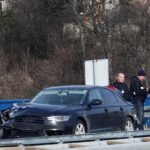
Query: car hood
pixel 43 110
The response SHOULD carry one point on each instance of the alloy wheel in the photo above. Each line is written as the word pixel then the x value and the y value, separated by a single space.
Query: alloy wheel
pixel 79 129
pixel 129 126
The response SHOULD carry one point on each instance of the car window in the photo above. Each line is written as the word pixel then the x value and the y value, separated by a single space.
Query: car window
pixel 94 94
pixel 119 99
pixel 60 97
pixel 109 97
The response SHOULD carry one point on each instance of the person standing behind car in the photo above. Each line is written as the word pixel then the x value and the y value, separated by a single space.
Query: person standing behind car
pixel 139 93
pixel 122 86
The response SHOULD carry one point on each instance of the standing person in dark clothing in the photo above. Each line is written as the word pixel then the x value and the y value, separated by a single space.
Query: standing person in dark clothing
pixel 139 93
pixel 122 86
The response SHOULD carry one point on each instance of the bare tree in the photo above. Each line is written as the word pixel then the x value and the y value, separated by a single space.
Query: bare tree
pixel 37 50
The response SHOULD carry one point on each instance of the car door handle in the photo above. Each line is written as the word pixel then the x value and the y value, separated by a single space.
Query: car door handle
pixel 106 110
pixel 121 108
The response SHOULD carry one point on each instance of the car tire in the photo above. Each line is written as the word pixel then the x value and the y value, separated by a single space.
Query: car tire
pixel 79 128
pixel 129 125
pixel 5 134
pixel 1 133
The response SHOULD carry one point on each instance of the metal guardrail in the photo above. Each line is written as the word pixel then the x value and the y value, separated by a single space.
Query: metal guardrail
pixel 8 103
pixel 101 141
pixel 73 138
pixel 147 111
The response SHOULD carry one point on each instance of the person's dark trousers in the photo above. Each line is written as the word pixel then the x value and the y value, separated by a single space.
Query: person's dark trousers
pixel 140 113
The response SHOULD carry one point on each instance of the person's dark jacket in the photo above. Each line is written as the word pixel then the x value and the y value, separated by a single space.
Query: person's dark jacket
pixel 123 88
pixel 137 90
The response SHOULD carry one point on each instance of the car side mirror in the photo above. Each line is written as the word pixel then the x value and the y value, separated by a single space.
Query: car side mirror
pixel 95 102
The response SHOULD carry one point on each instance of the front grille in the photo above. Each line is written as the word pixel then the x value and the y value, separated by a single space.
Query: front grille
pixel 29 119
pixel 28 126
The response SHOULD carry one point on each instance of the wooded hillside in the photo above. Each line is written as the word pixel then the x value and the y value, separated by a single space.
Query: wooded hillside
pixel 45 42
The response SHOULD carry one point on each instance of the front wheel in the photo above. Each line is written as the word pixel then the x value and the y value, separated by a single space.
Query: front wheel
pixel 1 133
pixel 129 125
pixel 5 134
pixel 79 128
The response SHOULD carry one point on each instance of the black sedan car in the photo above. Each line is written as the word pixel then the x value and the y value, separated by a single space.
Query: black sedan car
pixel 70 110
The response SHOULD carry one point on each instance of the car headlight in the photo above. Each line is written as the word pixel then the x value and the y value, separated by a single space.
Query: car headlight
pixel 58 118
pixel 11 114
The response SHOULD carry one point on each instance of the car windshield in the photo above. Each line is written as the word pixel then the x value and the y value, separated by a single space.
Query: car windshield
pixel 60 97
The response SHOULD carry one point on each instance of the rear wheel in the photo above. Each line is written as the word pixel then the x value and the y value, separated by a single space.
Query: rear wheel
pixel 129 125
pixel 79 128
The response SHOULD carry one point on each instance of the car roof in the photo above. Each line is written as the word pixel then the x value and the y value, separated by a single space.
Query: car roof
pixel 83 87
